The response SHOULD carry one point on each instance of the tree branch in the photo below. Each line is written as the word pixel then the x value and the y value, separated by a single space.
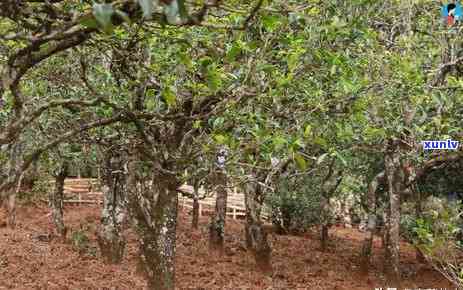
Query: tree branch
pixel 29 159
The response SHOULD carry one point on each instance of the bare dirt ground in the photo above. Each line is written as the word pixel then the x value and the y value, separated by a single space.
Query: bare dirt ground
pixel 29 260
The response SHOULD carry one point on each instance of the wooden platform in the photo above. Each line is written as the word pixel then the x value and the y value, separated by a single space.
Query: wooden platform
pixel 80 191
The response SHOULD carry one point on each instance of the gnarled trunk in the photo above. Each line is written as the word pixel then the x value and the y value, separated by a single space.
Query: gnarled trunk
pixel 371 226
pixel 110 237
pixel 217 226
pixel 325 207
pixel 13 172
pixel 153 211
pixel 329 186
pixel 256 237
pixel 395 178
pixel 55 199
pixel 31 177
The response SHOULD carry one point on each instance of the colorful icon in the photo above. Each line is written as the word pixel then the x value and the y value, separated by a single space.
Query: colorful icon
pixel 451 13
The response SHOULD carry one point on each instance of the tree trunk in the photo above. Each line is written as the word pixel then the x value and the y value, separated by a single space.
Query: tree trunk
pixel 329 186
pixel 419 213
pixel 325 222
pixel 324 237
pixel 110 237
pixel 367 247
pixel 11 210
pixel 281 220
pixel 217 226
pixel 256 237
pixel 56 199
pixel 31 177
pixel 394 176
pixel 13 172
pixel 153 211
pixel 195 213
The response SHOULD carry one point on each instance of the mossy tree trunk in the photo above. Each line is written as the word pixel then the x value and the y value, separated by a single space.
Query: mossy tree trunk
pixel 329 185
pixel 13 172
pixel 111 239
pixel 256 237
pixel 153 211
pixel 217 225
pixel 395 179
pixel 367 247
pixel 56 197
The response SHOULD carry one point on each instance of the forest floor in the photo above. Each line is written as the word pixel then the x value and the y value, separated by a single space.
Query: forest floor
pixel 30 260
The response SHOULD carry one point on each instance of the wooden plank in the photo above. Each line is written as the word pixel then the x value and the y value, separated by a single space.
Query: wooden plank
pixel 87 201
pixel 235 203
pixel 95 193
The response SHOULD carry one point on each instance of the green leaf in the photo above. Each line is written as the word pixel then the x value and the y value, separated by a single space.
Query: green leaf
pixel 197 124
pixel 293 58
pixel 374 133
pixel 214 80
pixel 307 130
pixel 220 139
pixel 169 97
pixel 233 52
pixel 218 123
pixel 278 142
pixel 270 22
pixel 298 143
pixel 103 14
pixel 321 141
pixel 147 6
pixel 89 21
pixel 340 158
pixel 150 104
pixel 205 62
pixel 300 161
pixel 186 60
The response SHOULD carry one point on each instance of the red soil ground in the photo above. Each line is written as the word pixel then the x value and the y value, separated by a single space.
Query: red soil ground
pixel 26 262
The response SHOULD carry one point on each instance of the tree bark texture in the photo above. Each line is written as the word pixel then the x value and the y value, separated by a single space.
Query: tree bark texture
pixel 111 239
pixel 371 226
pixel 325 216
pixel 55 199
pixel 153 211
pixel 419 214
pixel 195 213
pixel 217 226
pixel 256 237
pixel 13 172
pixel 395 178
pixel 329 185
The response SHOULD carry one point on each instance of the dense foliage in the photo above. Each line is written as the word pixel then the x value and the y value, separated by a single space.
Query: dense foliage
pixel 313 101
